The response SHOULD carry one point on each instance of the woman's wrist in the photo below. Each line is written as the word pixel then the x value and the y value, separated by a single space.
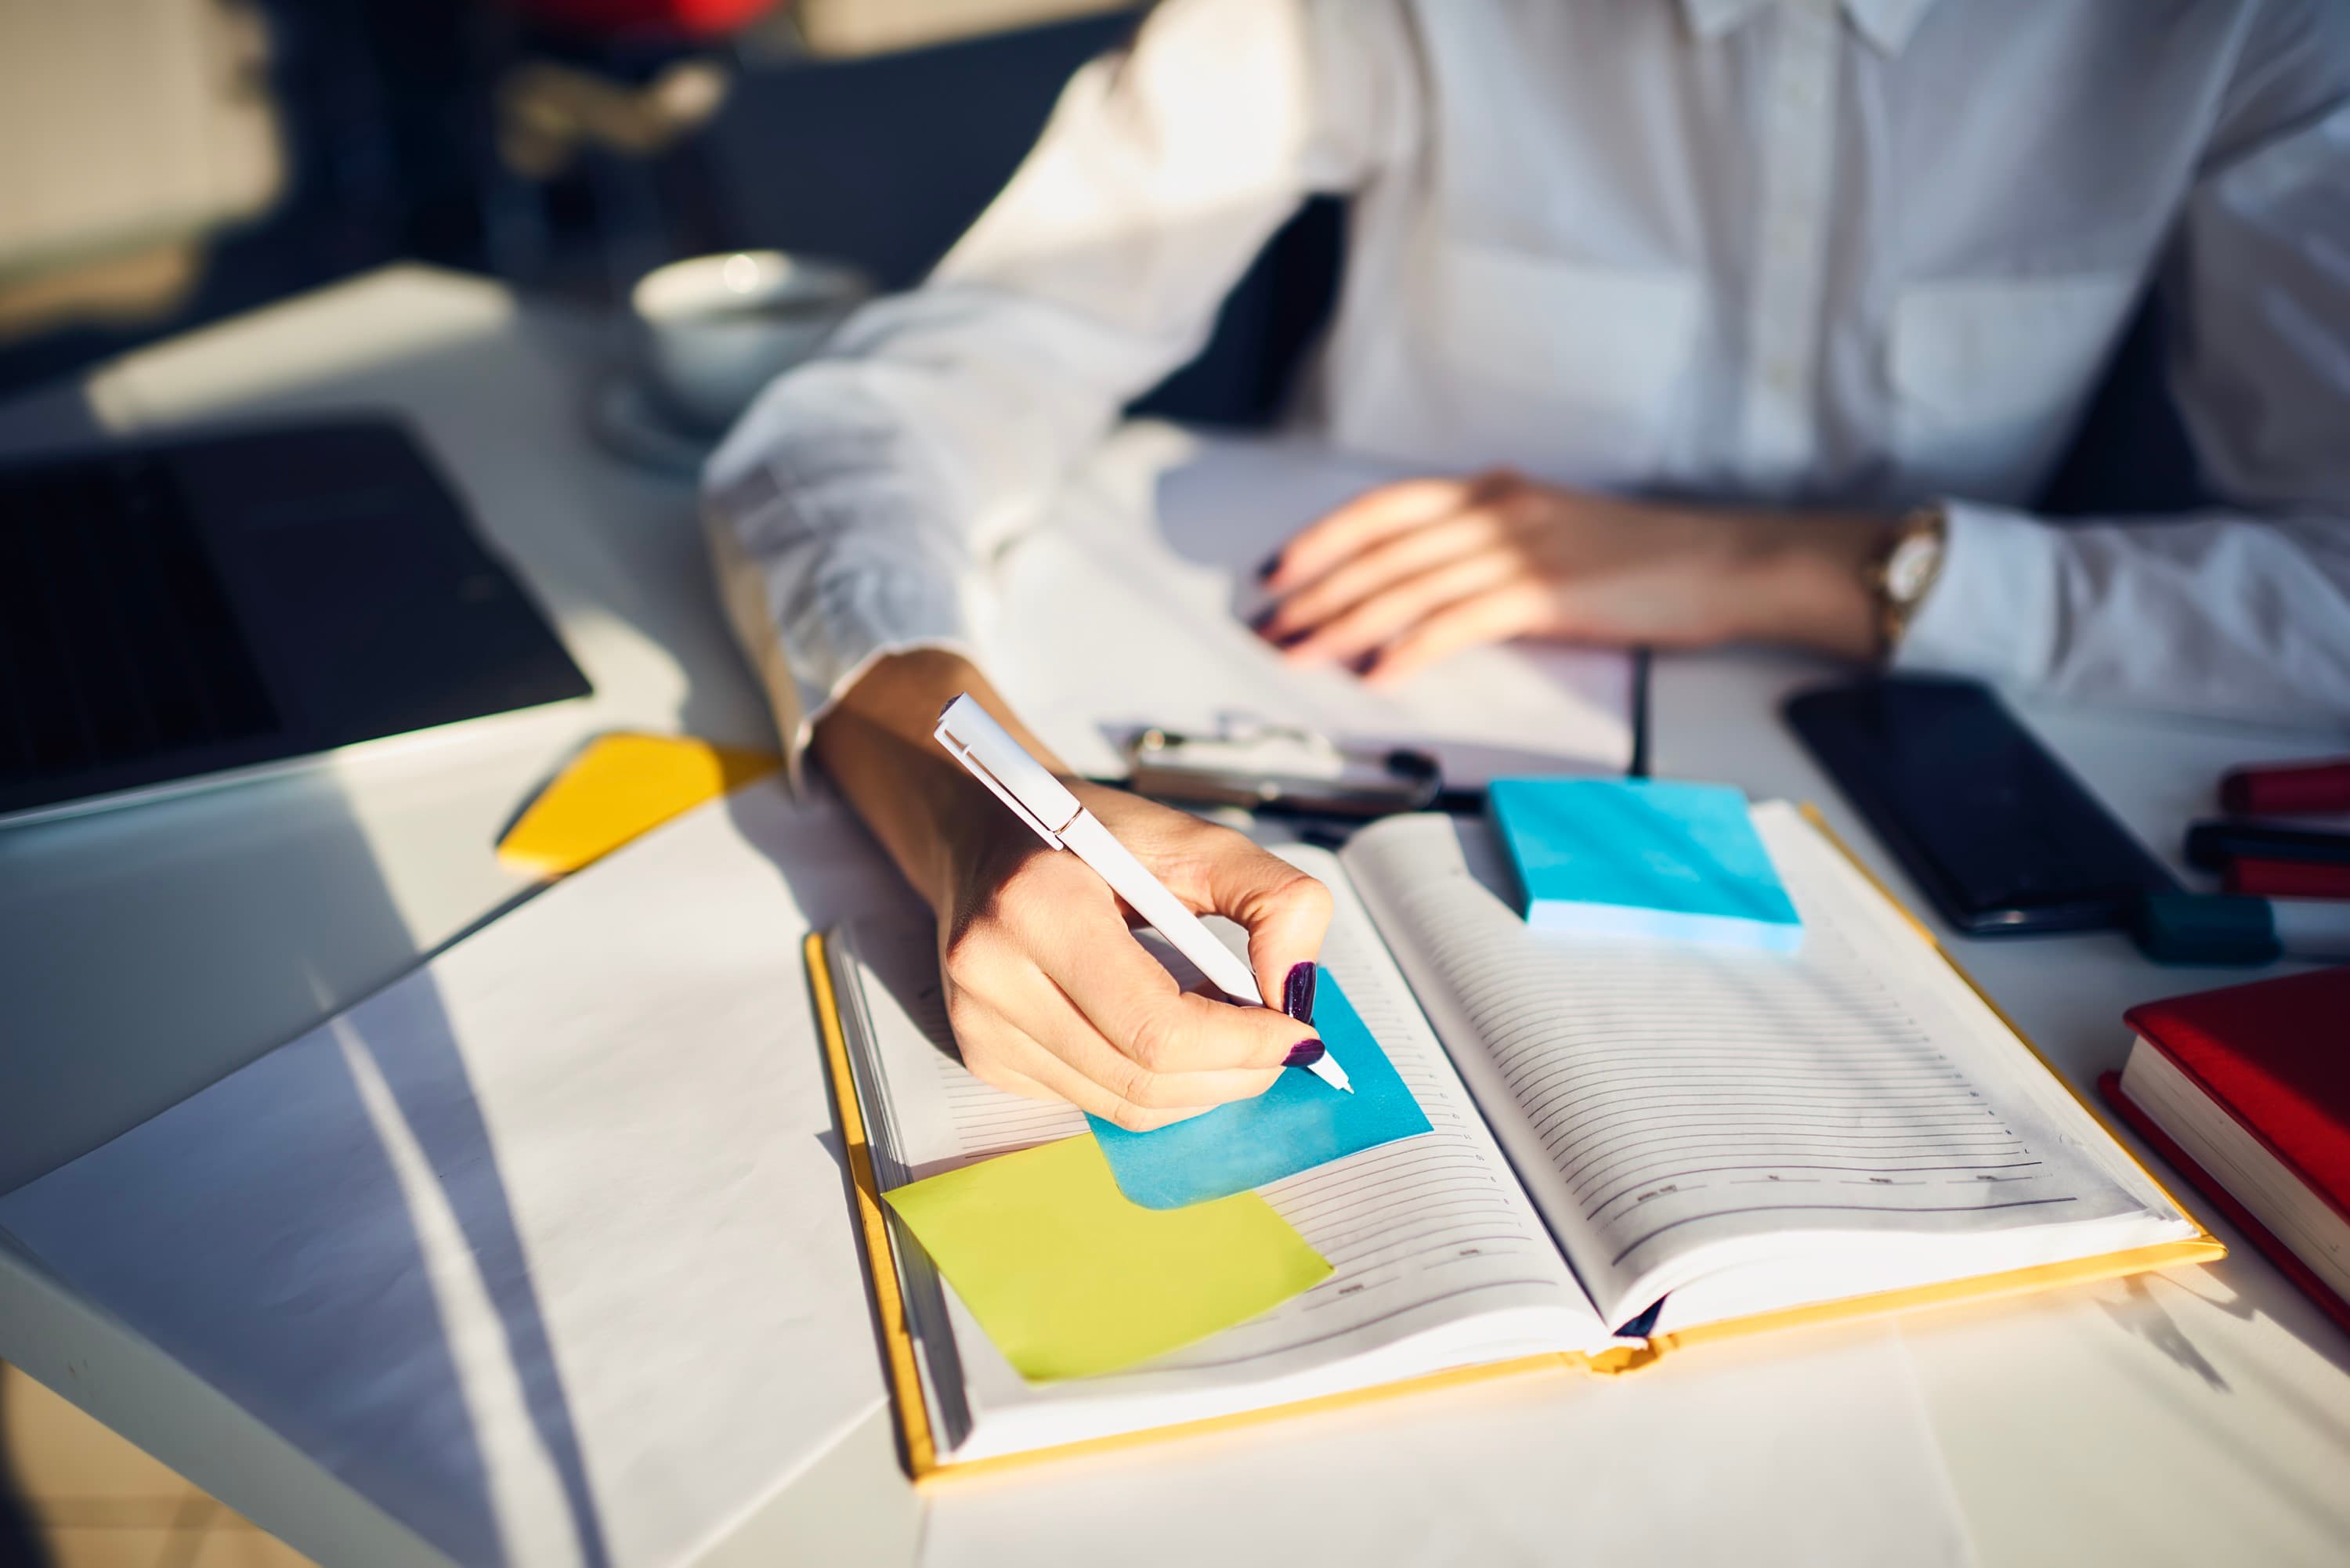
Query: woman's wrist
pixel 1803 578
pixel 878 745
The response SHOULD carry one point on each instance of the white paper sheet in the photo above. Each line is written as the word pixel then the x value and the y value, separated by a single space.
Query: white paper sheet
pixel 1813 1450
pixel 1129 609
pixel 544 1248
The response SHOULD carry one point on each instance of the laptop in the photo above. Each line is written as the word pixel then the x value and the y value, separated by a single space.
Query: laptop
pixel 190 612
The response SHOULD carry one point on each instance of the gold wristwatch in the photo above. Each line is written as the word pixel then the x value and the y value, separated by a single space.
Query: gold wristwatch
pixel 1901 574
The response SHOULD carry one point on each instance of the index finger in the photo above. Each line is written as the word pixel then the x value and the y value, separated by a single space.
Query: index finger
pixel 1365 521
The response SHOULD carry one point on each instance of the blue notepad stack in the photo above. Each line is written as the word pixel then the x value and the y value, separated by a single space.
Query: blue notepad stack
pixel 1642 857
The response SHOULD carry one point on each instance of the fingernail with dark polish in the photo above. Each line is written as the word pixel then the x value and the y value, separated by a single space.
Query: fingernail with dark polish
pixel 1306 1054
pixel 1364 663
pixel 1297 992
pixel 1289 639
pixel 1271 565
pixel 1264 618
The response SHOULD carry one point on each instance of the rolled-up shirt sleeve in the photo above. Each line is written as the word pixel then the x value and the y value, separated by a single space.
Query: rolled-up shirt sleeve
pixel 850 507
pixel 2242 611
pixel 2218 613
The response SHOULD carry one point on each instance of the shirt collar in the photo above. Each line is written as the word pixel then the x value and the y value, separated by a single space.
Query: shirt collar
pixel 1888 24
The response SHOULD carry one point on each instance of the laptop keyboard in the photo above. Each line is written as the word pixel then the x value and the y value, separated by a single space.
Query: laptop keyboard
pixel 117 638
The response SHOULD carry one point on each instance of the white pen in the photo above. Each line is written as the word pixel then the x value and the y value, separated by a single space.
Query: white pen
pixel 1044 803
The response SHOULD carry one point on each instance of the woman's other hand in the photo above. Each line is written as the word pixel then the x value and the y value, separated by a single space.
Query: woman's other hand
pixel 1410 572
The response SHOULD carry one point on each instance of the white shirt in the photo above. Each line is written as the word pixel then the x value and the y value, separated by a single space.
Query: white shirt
pixel 1756 250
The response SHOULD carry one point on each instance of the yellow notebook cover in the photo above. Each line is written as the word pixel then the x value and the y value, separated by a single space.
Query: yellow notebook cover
pixel 918 1446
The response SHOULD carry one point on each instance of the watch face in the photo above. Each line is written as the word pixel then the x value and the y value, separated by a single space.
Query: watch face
pixel 1912 568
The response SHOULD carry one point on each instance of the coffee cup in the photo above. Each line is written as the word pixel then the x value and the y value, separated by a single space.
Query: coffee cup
pixel 712 330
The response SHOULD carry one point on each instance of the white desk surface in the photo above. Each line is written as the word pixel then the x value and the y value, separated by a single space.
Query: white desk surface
pixel 2196 1416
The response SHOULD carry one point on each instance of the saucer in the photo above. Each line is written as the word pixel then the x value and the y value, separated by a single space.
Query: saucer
pixel 628 422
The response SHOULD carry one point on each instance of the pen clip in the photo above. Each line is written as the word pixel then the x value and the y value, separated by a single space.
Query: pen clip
pixel 977 766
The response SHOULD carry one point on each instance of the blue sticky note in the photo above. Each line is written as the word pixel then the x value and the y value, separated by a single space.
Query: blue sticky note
pixel 1301 1121
pixel 1642 857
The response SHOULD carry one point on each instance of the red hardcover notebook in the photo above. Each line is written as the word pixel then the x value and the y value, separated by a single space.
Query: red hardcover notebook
pixel 2274 1055
pixel 2287 878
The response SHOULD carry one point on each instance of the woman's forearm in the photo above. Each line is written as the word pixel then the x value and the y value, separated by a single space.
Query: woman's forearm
pixel 877 744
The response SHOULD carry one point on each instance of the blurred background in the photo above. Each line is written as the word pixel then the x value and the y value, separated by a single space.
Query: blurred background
pixel 166 163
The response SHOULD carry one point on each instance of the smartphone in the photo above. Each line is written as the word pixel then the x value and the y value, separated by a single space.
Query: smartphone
pixel 2000 834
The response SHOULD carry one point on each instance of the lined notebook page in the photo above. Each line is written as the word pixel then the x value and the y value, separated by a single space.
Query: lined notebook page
pixel 1432 1223
pixel 1677 1108
pixel 1430 1233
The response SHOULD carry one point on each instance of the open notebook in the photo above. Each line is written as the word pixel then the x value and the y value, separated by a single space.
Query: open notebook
pixel 1635 1146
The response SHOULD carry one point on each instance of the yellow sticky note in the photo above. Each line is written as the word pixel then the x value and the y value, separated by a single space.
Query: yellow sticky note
pixel 621 786
pixel 1070 1278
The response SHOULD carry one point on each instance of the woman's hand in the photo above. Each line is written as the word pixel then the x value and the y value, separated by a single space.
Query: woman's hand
pixel 1052 996
pixel 1048 991
pixel 1409 573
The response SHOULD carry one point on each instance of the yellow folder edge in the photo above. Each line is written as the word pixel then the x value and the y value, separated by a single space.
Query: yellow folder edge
pixel 873 1228
pixel 920 1445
